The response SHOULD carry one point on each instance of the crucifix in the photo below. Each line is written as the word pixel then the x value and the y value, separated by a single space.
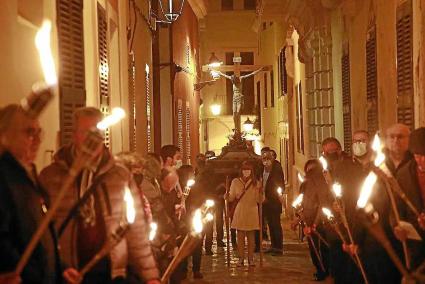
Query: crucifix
pixel 236 79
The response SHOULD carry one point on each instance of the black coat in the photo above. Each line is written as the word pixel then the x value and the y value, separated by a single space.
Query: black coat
pixel 275 180
pixel 21 201
pixel 409 183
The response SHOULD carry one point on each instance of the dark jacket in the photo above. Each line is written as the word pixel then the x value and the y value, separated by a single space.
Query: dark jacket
pixel 390 165
pixel 275 180
pixel 316 195
pixel 21 201
pixel 409 183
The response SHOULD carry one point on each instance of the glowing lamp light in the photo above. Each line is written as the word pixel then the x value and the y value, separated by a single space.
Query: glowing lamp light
pixel 328 213
pixel 337 189
pixel 129 205
pixel 214 74
pixel 42 42
pixel 248 125
pixel 324 163
pixel 300 178
pixel 190 183
pixel 116 115
pixel 215 109
pixel 298 200
pixel 366 190
pixel 209 203
pixel 152 233
pixel 214 61
pixel 279 191
pixel 197 222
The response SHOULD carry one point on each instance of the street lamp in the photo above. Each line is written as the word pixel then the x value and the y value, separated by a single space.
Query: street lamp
pixel 248 125
pixel 215 109
pixel 214 61
pixel 171 9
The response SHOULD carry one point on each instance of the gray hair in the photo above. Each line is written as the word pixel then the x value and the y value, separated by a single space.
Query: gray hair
pixel 86 112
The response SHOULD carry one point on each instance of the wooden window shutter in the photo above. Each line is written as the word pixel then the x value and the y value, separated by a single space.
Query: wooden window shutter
pixel 265 90
pixel 148 109
pixel 371 83
pixel 405 106
pixel 132 102
pixel 103 68
pixel 282 73
pixel 72 92
pixel 346 101
pixel 188 145
pixel 271 89
pixel 180 124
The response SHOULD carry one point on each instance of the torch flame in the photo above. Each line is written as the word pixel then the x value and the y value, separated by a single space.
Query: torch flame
pixel 209 217
pixel 190 183
pixel 298 200
pixel 328 213
pixel 209 203
pixel 377 146
pixel 152 233
pixel 279 190
pixel 366 190
pixel 300 178
pixel 42 42
pixel 197 221
pixel 116 115
pixel 337 189
pixel 129 204
pixel 324 163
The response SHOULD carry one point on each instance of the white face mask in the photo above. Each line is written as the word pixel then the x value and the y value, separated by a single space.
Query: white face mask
pixel 179 163
pixel 246 173
pixel 359 149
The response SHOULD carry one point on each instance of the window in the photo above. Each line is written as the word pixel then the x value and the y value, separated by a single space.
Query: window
pixel 72 93
pixel 271 89
pixel 299 118
pixel 265 90
pixel 247 58
pixel 371 83
pixel 179 111
pixel 346 101
pixel 103 69
pixel 405 108
pixel 258 105
pixel 188 145
pixel 226 5
pixel 249 4
pixel 283 79
pixel 148 109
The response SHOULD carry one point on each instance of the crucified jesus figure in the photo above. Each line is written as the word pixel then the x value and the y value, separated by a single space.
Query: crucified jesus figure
pixel 238 100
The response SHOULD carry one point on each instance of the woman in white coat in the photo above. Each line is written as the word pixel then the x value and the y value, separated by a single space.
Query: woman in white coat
pixel 248 192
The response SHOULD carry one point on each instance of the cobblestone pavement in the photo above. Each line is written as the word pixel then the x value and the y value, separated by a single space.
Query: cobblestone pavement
pixel 293 267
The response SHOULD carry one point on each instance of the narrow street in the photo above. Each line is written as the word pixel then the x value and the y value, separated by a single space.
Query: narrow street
pixel 293 267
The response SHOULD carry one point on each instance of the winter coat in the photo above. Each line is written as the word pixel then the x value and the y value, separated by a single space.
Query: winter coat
pixel 21 203
pixel 246 212
pixel 409 183
pixel 275 180
pixel 110 180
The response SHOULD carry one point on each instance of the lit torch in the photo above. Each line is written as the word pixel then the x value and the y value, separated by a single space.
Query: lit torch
pixel 185 194
pixel 153 229
pixel 300 177
pixel 326 172
pixel 116 115
pixel 200 218
pixel 42 93
pixel 116 237
pixel 371 218
pixel 86 157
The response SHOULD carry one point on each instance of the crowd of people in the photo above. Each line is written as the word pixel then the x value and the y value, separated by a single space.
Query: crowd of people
pixel 93 207
pixel 362 257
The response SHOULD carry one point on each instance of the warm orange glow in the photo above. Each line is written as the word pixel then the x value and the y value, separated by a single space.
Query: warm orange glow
pixel 129 204
pixel 298 200
pixel 366 190
pixel 42 42
pixel 300 178
pixel 190 183
pixel 337 189
pixel 324 163
pixel 197 222
pixel 152 233
pixel 116 115
pixel 377 146
pixel 279 191
pixel 328 213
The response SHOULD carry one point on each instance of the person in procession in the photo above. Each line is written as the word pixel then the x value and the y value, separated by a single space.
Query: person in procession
pixel 101 187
